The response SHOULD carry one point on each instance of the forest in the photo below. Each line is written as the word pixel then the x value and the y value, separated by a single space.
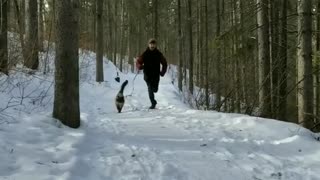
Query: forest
pixel 256 57
pixel 252 57
pixel 237 97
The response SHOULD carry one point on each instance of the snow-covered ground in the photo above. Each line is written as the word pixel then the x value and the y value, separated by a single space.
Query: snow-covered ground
pixel 172 142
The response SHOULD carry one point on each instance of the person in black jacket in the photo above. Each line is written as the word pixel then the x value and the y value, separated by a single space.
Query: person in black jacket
pixel 150 61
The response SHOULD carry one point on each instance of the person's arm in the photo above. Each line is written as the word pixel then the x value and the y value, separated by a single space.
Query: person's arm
pixel 139 63
pixel 164 64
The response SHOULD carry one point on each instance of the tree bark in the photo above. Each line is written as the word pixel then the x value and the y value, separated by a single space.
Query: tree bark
pixel 22 15
pixel 131 36
pixel 283 72
pixel 264 59
pixel 190 47
pixel 115 34
pixel 21 26
pixel 236 53
pixel 66 95
pixel 110 29
pixel 32 48
pixel 130 45
pixel 317 76
pixel 180 73
pixel 274 55
pixel 198 46
pixel 206 56
pixel 99 40
pixel 304 57
pixel 4 36
pixel 122 37
pixel 155 21
pixel 218 59
pixel 94 27
pixel 41 25
pixel 244 58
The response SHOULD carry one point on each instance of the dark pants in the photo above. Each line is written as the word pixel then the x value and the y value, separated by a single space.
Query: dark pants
pixel 153 84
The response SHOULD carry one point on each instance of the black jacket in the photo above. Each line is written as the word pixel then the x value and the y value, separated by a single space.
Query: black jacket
pixel 150 62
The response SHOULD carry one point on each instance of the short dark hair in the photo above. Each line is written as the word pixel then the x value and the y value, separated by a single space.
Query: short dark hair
pixel 152 41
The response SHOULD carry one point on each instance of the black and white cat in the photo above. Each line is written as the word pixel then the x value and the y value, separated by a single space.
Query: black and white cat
pixel 120 97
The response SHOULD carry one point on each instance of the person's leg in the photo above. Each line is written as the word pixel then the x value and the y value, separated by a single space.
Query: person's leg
pixel 154 84
pixel 150 91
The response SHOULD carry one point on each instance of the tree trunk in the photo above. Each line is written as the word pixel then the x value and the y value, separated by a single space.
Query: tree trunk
pixel 41 25
pixel 206 56
pixel 155 21
pixel 180 73
pixel 317 76
pixel 218 59
pixel 198 46
pixel 131 36
pixel 110 29
pixel 140 28
pixel 122 37
pixel 243 56
pixel 99 40
pixel 200 51
pixel 225 64
pixel 94 27
pixel 115 38
pixel 87 26
pixel 237 59
pixel 32 40
pixel 264 59
pixel 22 14
pixel 4 36
pixel 105 30
pixel 190 47
pixel 21 26
pixel 304 54
pixel 274 55
pixel 66 95
pixel 130 45
pixel 53 20
pixel 283 72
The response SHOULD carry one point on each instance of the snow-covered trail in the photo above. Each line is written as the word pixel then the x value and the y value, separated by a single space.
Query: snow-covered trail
pixel 175 142
pixel 172 142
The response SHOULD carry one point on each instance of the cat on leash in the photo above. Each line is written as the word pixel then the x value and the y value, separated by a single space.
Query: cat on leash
pixel 120 97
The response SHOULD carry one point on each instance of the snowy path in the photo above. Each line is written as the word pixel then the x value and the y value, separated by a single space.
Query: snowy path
pixel 174 142
pixel 170 143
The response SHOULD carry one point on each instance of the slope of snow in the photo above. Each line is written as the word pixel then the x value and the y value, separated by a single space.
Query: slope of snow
pixel 172 142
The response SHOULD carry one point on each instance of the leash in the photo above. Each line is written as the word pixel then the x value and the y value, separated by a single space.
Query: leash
pixel 133 84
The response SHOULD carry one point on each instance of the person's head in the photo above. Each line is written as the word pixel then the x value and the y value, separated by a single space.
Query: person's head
pixel 152 44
